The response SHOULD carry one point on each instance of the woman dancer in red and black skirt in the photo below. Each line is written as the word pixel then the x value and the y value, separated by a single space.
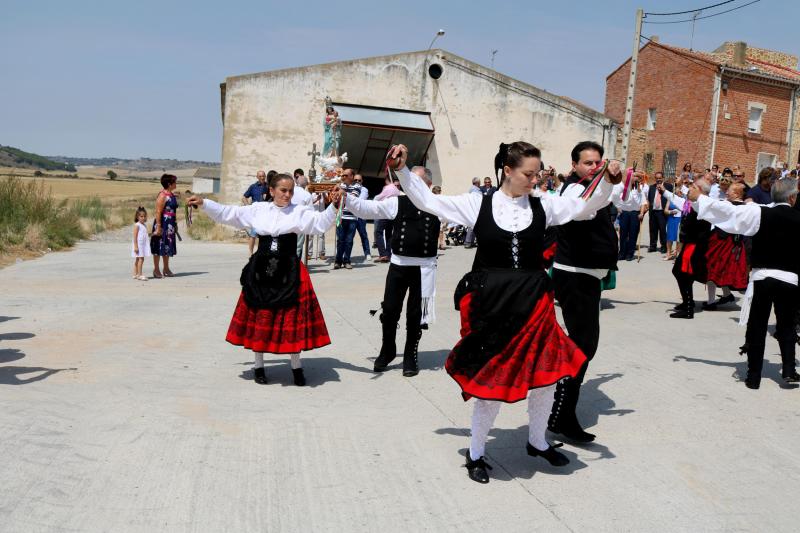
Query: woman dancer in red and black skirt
pixel 691 264
pixel 727 259
pixel 277 311
pixel 511 346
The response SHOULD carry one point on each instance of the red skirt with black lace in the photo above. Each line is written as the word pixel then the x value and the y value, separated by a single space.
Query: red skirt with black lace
pixel 510 339
pixel 293 329
pixel 727 261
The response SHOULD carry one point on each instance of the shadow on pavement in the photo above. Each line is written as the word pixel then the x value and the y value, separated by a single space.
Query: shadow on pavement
pixel 186 274
pixel 11 354
pixel 595 403
pixel 317 370
pixel 7 318
pixel 770 370
pixel 506 447
pixel 505 452
pixel 10 375
pixel 15 336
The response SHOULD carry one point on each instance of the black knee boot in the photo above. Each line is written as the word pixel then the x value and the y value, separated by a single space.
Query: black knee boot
pixel 687 306
pixel 410 366
pixel 388 346
pixel 563 418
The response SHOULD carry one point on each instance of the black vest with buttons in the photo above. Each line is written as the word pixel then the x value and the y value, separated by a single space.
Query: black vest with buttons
pixel 499 248
pixel 415 233
pixel 772 245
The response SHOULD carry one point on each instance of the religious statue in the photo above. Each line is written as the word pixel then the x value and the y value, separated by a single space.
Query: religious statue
pixel 333 130
pixel 329 159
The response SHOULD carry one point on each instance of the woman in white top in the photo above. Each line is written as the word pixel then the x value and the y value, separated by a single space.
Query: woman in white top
pixel 511 343
pixel 277 311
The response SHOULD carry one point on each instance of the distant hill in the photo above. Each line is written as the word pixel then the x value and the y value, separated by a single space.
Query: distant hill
pixel 142 164
pixel 14 157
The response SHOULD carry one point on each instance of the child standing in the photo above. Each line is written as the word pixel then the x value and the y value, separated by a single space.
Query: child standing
pixel 141 243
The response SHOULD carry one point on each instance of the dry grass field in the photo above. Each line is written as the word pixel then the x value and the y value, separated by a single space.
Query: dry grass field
pixel 100 173
pixel 40 214
pixel 103 189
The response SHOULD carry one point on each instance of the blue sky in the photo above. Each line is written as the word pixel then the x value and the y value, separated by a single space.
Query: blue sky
pixel 130 79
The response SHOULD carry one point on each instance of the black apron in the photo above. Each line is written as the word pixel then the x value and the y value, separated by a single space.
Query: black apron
pixel 271 278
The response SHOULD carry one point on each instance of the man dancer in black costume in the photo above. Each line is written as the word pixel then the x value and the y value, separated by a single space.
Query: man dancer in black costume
pixel 412 270
pixel 585 253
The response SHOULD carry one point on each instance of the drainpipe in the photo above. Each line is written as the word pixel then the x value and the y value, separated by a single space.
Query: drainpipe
pixel 715 114
pixel 790 129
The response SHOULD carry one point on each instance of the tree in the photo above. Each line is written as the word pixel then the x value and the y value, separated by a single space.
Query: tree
pixel 111 175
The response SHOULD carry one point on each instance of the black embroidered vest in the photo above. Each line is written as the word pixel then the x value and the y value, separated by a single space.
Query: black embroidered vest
pixel 774 244
pixel 498 248
pixel 587 243
pixel 416 233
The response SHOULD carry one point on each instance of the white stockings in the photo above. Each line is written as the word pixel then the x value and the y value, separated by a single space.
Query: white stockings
pixel 711 287
pixel 294 359
pixel 540 403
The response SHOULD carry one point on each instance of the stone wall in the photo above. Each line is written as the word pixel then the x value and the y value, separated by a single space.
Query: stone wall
pixel 272 118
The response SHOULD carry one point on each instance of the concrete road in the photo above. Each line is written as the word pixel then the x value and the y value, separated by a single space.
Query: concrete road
pixel 123 409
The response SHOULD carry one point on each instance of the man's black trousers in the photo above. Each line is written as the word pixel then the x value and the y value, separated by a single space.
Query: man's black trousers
pixel 399 280
pixel 658 229
pixel 579 298
pixel 783 296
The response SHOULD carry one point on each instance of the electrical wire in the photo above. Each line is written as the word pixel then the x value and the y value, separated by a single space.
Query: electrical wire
pixel 701 18
pixel 692 11
pixel 669 52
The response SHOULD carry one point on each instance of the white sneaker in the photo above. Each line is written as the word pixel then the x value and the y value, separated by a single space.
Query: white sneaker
pixel 368 258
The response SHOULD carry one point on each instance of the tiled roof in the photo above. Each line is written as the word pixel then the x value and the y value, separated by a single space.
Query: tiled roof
pixel 756 67
pixel 725 59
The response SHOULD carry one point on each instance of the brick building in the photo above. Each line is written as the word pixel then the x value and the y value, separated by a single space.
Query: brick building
pixel 737 105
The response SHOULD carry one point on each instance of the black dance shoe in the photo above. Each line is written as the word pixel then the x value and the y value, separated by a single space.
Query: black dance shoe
pixel 476 470
pixel 550 455
pixel 383 360
pixel 299 377
pixel 752 383
pixel 729 299
pixel 574 433
pixel 260 376
pixel 687 312
pixel 794 377
pixel 680 307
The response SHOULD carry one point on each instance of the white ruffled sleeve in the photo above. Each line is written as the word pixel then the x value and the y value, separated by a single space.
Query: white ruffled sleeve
pixel 562 209
pixel 462 209
pixel 238 216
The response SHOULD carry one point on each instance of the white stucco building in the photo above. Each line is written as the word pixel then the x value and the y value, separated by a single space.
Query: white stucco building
pixel 451 112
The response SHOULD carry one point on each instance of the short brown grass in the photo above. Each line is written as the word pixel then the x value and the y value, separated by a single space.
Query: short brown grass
pixel 33 220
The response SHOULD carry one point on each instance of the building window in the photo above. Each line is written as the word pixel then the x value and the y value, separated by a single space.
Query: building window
pixel 670 162
pixel 755 115
pixel 651 118
pixel 765 160
pixel 648 162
